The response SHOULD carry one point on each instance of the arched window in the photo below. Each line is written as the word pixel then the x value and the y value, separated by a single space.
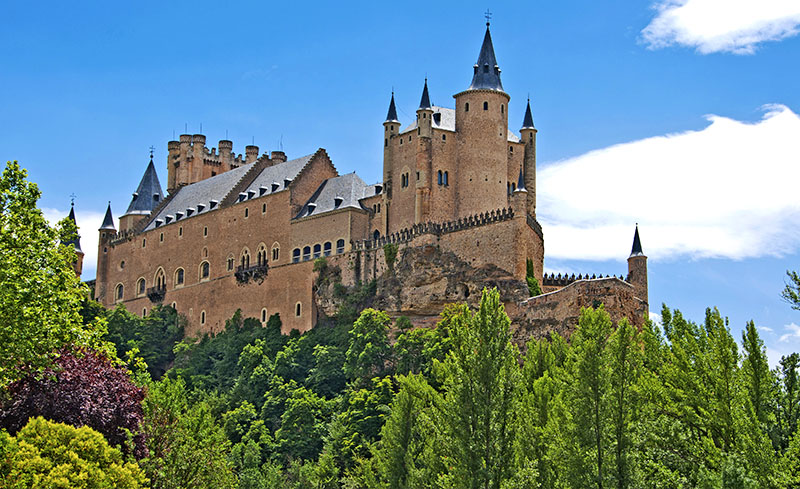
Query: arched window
pixel 144 311
pixel 174 305
pixel 339 246
pixel 446 182
pixel 326 249
pixel 317 250
pixel 118 292
pixel 276 251
pixel 202 317
pixel 306 253
pixel 205 270
pixel 245 258
pixel 140 286
pixel 161 279
pixel 466 107
pixel 376 234
pixel 179 277
pixel 230 260
pixel 295 255
pixel 264 315
pixel 262 254
pixel 298 309
pixel 502 109
pixel 439 178
pixel 486 106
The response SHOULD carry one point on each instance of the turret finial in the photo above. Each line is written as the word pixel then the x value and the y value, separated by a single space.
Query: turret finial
pixel 527 122
pixel 391 116
pixel 425 101
pixel 636 250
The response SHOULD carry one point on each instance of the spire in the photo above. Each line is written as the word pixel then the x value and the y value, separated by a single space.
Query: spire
pixel 527 123
pixel 392 115
pixel 487 72
pixel 636 250
pixel 521 182
pixel 425 102
pixel 108 221
pixel 148 195
pixel 77 241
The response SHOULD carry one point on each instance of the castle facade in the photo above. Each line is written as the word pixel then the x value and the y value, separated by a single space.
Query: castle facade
pixel 243 232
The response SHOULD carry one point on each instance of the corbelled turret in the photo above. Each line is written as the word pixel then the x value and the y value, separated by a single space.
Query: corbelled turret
pixel 637 269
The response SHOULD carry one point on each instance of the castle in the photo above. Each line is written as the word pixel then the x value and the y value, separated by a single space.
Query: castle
pixel 243 232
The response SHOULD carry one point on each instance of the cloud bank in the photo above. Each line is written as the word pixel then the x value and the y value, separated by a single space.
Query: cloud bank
pixel 728 190
pixel 710 26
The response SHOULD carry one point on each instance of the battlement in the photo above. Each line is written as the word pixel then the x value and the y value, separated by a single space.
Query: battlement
pixel 554 280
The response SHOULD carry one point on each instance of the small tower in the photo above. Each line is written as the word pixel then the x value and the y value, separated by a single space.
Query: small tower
pixel 76 242
pixel 637 269
pixel 528 133
pixel 519 197
pixel 107 232
pixel 146 198
pixel 482 137
pixel 423 157
pixel 425 114
pixel 391 128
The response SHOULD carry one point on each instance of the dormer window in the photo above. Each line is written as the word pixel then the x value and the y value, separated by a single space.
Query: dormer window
pixel 213 203
pixel 178 215
pixel 189 211
pixel 275 186
pixel 159 222
pixel 486 68
pixel 262 190
pixel 200 207
pixel 286 182
pixel 311 207
pixel 242 196
pixel 337 201
pixel 251 194
pixel 168 219
pixel 155 197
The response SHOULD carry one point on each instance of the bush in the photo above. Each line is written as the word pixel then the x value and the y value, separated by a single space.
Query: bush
pixel 80 389
pixel 49 455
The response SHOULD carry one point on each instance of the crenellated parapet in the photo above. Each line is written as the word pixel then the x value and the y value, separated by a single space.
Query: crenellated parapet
pixel 559 280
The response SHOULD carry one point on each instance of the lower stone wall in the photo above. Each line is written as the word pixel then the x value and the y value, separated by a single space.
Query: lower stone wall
pixel 559 311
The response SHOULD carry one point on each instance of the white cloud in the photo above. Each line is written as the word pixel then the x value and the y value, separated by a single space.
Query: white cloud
pixel 655 317
pixel 765 329
pixel 794 332
pixel 728 190
pixel 710 26
pixel 88 224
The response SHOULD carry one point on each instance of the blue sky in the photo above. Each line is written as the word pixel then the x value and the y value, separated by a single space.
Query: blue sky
pixel 682 116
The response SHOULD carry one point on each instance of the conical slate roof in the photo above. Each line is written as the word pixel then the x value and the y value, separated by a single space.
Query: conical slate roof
pixel 487 72
pixel 636 250
pixel 148 195
pixel 425 101
pixel 108 221
pixel 527 123
pixel 392 115
pixel 77 241
pixel 521 182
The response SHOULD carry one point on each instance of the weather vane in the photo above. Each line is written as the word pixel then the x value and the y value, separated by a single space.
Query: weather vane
pixel 488 16
pixel 72 199
pixel 151 152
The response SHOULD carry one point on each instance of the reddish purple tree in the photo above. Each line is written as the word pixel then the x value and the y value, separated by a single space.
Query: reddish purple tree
pixel 80 389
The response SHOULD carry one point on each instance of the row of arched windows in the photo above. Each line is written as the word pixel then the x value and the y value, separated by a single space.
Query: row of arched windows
pixel 317 251
pixel 442 178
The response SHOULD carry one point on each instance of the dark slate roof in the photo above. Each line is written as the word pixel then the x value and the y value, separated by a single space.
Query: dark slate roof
pixel 487 73
pixel 445 119
pixel 425 101
pixel 391 116
pixel 344 191
pixel 521 182
pixel 148 195
pixel 636 250
pixel 527 123
pixel 108 221
pixel 207 195
pixel 77 241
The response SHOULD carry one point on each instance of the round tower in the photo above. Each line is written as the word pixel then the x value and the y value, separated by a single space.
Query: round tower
pixel 391 128
pixel 637 269
pixel 482 137
pixel 528 138
pixel 107 231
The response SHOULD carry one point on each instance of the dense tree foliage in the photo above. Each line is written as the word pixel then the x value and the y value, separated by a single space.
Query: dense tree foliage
pixel 40 295
pixel 80 389
pixel 791 293
pixel 46 454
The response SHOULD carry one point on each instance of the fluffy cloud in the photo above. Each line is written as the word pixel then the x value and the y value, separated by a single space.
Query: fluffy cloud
pixel 88 224
pixel 734 26
pixel 794 332
pixel 728 190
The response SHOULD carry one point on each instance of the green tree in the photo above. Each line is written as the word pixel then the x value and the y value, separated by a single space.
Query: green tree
pixel 45 454
pixel 40 295
pixel 791 293
pixel 302 425
pixel 369 352
pixel 482 375
pixel 788 399
pixel 530 278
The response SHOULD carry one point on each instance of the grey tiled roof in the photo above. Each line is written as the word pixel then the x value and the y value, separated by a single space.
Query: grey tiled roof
pixel 527 122
pixel 197 198
pixel 349 188
pixel 108 220
pixel 445 119
pixel 148 195
pixel 487 73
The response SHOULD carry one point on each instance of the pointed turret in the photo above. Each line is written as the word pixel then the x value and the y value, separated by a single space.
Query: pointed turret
pixel 425 101
pixel 77 241
pixel 146 198
pixel 487 72
pixel 637 270
pixel 521 182
pixel 527 122
pixel 636 250
pixel 108 220
pixel 391 116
